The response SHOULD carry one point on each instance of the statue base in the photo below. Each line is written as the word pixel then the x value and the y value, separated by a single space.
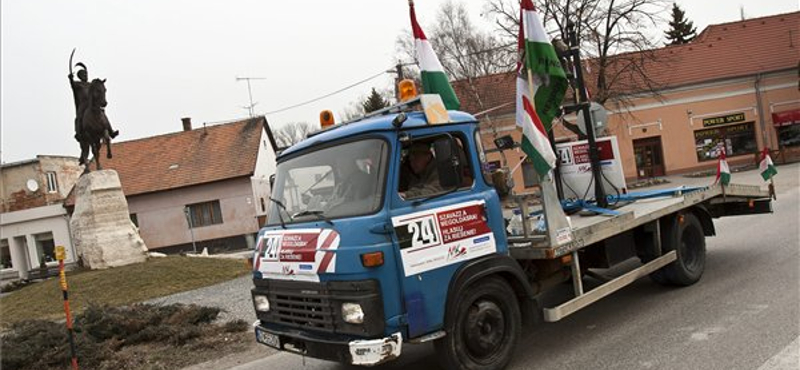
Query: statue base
pixel 102 231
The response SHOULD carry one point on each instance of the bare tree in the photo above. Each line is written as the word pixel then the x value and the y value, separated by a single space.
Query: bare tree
pixel 464 51
pixel 292 133
pixel 613 35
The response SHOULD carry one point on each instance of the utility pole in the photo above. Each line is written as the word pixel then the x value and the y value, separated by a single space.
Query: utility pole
pixel 250 92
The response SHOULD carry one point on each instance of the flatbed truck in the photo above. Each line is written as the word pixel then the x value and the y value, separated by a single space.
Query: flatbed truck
pixel 350 269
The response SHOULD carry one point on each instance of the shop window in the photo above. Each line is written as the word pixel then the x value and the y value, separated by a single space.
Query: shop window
pixel 205 214
pixel 529 176
pixel 5 255
pixel 45 247
pixel 789 136
pixel 736 140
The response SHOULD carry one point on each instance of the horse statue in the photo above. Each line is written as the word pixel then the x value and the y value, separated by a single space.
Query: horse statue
pixel 95 129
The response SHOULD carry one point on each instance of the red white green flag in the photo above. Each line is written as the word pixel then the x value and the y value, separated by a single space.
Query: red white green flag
pixel 434 80
pixel 723 171
pixel 766 167
pixel 535 115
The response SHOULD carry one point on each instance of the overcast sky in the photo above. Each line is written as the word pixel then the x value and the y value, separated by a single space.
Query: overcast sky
pixel 170 59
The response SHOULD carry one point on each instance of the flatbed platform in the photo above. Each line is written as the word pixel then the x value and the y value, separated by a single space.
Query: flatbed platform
pixel 588 230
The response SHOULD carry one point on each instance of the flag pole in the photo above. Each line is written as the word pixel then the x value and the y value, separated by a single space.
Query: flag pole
pixel 558 227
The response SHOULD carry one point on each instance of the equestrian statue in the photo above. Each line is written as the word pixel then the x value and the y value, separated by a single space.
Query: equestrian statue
pixel 92 128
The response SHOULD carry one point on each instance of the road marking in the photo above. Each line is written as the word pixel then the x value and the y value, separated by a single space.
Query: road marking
pixel 788 358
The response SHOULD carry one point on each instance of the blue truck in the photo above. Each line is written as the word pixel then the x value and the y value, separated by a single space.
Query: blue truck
pixel 354 264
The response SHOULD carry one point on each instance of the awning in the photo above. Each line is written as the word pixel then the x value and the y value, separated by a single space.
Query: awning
pixel 786 118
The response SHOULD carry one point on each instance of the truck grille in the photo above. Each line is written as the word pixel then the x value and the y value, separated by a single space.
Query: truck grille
pixel 317 306
pixel 297 309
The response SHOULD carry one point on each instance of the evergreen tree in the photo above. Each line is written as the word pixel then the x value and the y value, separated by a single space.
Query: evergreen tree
pixel 374 102
pixel 681 30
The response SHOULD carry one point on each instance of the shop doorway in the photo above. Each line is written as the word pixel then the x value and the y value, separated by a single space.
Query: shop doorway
pixel 649 157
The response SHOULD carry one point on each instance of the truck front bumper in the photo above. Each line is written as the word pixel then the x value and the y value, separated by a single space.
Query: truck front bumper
pixel 356 352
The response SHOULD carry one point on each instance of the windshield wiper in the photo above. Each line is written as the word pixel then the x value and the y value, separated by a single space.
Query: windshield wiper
pixel 313 212
pixel 283 224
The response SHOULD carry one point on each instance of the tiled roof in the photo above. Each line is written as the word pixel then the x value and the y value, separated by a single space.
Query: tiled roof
pixel 721 51
pixel 186 158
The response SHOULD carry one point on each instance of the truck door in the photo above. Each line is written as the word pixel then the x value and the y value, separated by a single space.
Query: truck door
pixel 437 227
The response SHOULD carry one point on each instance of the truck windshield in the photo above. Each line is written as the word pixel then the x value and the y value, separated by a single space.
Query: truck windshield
pixel 340 181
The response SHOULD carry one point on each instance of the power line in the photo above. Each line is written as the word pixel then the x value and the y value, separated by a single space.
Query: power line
pixel 329 94
pixel 401 63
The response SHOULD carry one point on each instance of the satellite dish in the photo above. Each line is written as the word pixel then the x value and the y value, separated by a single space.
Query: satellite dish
pixel 32 185
pixel 599 117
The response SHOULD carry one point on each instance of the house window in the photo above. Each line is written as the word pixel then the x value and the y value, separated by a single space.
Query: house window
pixel 52 182
pixel 204 214
pixel 5 255
pixel 45 247
pixel 135 219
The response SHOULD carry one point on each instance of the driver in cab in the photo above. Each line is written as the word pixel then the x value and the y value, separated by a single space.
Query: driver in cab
pixel 419 176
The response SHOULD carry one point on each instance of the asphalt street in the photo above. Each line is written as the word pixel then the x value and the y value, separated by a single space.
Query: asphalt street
pixel 743 314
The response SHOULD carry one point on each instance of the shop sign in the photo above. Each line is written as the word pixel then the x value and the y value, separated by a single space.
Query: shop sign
pixel 721 120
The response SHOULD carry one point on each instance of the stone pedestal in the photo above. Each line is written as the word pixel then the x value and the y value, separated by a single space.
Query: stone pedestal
pixel 102 230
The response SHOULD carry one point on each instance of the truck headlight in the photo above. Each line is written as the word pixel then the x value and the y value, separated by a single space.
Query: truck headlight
pixel 261 302
pixel 352 313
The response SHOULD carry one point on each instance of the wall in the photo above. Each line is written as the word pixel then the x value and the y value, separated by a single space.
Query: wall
pixel 15 194
pixel 680 112
pixel 265 167
pixel 162 222
pixel 20 227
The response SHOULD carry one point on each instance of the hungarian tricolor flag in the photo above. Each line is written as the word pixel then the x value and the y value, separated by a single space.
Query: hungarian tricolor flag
pixel 723 171
pixel 766 167
pixel 538 56
pixel 434 80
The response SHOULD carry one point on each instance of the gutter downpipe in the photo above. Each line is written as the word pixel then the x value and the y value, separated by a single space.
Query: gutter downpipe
pixel 760 109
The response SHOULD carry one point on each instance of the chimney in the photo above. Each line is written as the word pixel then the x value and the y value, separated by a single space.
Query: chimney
pixel 187 123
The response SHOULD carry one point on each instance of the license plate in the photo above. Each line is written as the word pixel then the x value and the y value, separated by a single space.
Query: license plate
pixel 267 338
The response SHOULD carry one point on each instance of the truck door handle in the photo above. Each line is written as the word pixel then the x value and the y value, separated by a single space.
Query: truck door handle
pixel 380 228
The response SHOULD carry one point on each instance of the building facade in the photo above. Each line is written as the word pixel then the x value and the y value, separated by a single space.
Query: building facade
pixel 33 220
pixel 200 187
pixel 734 87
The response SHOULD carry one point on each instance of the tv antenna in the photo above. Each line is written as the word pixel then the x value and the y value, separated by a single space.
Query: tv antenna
pixel 250 92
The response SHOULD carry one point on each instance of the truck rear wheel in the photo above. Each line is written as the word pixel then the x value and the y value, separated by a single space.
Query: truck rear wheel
pixel 483 329
pixel 683 234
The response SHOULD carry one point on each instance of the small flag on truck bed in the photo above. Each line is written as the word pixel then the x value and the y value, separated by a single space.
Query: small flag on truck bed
pixel 723 171
pixel 766 167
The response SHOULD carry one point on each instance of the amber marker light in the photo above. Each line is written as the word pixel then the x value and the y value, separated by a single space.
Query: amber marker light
pixel 326 119
pixel 372 259
pixel 408 90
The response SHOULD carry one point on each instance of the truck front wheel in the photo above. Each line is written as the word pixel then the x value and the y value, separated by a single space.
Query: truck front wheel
pixel 483 329
pixel 683 234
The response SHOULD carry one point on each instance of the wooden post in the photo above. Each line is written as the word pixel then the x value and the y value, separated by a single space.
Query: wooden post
pixel 62 277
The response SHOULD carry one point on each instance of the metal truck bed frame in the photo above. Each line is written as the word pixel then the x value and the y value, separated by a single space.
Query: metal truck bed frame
pixel 593 229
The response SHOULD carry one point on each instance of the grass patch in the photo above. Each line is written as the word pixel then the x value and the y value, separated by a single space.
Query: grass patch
pixel 141 336
pixel 118 286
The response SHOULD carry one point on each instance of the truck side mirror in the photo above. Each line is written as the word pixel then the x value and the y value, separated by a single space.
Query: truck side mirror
pixel 504 142
pixel 447 162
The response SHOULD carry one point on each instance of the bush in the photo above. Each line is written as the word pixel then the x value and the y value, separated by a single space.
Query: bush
pixel 102 331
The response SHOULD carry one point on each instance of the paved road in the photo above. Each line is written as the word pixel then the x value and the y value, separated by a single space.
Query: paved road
pixel 743 314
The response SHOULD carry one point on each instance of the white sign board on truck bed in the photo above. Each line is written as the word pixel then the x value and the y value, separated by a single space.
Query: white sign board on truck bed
pixel 576 170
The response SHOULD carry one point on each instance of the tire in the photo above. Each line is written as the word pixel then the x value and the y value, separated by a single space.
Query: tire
pixel 686 237
pixel 483 328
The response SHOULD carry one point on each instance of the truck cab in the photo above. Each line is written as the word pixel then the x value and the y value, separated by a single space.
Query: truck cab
pixel 360 254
